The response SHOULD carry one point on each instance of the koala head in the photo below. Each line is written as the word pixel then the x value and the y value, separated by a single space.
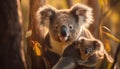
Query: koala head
pixel 64 25
pixel 87 47
pixel 91 51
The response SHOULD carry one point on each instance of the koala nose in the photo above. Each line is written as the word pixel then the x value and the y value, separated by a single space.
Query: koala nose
pixel 63 31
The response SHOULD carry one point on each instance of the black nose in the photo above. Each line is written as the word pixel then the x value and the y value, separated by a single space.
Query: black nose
pixel 63 31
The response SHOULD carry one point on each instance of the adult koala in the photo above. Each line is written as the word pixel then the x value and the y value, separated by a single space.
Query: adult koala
pixel 64 27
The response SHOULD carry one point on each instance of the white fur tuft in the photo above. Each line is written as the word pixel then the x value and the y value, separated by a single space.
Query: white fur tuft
pixel 89 14
pixel 45 9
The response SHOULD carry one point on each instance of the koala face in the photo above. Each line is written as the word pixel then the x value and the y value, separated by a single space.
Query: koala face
pixel 88 47
pixel 91 51
pixel 64 25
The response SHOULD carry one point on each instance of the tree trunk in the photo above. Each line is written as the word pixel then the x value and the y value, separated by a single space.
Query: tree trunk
pixel 33 23
pixel 37 34
pixel 10 35
pixel 69 3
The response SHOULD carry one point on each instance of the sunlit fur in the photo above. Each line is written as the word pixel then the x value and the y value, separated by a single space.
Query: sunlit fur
pixel 101 52
pixel 72 58
pixel 89 14
pixel 45 13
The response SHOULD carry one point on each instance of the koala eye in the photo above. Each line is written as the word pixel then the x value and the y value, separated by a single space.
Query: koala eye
pixel 70 27
pixel 88 50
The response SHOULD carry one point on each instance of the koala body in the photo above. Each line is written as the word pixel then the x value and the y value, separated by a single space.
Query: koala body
pixel 82 54
pixel 64 25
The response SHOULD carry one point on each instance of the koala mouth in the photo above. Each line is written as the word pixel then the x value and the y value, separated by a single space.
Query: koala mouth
pixel 63 39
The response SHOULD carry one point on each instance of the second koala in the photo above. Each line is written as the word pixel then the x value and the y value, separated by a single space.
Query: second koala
pixel 82 54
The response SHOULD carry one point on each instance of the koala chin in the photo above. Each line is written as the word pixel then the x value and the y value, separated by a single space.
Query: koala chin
pixel 63 25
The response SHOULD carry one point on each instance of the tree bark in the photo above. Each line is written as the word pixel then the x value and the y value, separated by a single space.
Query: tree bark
pixel 69 3
pixel 10 35
pixel 37 34
pixel 33 23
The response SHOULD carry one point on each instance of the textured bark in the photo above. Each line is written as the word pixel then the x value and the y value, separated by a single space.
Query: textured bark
pixel 10 35
pixel 69 3
pixel 33 23
pixel 37 35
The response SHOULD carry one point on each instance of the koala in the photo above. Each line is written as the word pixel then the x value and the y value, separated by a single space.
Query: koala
pixel 63 25
pixel 84 53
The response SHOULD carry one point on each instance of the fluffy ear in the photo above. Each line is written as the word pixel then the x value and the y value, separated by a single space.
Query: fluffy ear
pixel 45 13
pixel 83 13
